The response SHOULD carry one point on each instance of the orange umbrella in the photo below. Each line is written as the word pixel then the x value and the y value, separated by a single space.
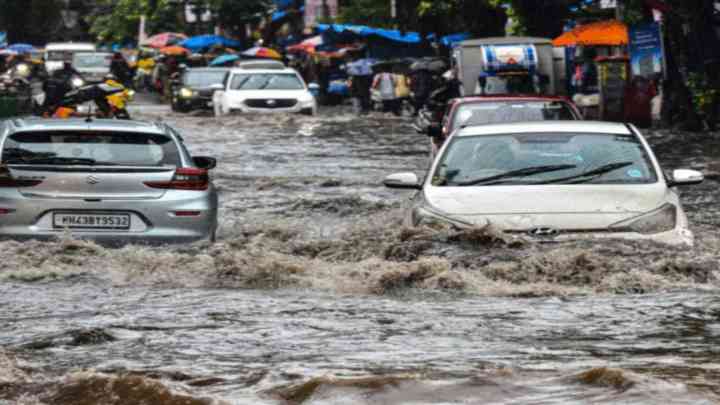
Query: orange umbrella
pixel 174 50
pixel 603 33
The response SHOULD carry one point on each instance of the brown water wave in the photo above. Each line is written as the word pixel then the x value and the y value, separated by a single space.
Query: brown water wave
pixel 376 259
pixel 489 384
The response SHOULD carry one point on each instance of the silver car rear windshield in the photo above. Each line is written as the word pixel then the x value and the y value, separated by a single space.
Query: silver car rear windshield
pixel 511 111
pixel 266 81
pixel 544 158
pixel 90 148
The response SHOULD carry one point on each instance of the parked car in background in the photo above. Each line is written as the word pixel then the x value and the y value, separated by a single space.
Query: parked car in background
pixel 483 110
pixel 56 52
pixel 112 181
pixel 264 91
pixel 93 66
pixel 552 181
pixel 195 88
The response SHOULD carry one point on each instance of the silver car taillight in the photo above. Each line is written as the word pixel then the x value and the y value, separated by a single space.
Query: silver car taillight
pixel 185 178
pixel 660 220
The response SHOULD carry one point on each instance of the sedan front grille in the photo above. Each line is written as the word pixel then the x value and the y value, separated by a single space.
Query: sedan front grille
pixel 270 103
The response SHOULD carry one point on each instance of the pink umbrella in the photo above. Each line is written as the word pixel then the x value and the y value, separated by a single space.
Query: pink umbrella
pixel 165 39
pixel 307 45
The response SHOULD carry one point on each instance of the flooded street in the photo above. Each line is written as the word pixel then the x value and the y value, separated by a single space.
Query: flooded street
pixel 315 294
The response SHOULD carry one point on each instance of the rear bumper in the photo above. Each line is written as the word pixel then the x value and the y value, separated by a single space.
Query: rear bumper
pixel 153 220
pixel 112 239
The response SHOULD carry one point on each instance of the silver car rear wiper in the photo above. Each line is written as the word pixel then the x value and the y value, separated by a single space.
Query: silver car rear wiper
pixel 57 160
pixel 528 171
pixel 591 174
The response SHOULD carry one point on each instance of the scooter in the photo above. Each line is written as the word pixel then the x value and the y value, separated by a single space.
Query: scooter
pixel 100 94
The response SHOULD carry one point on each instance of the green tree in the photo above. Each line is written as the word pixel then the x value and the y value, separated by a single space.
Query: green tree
pixel 119 20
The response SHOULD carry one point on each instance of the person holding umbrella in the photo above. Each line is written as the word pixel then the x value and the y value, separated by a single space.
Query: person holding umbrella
pixel 361 79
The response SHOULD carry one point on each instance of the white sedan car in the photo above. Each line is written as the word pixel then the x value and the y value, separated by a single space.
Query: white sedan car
pixel 552 181
pixel 264 91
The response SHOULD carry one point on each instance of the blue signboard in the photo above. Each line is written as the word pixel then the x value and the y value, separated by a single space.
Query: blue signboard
pixel 646 50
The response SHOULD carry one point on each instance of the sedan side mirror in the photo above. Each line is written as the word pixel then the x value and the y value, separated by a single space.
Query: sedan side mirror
pixel 407 181
pixel 204 162
pixel 684 177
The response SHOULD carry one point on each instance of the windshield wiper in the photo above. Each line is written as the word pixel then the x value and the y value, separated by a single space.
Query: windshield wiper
pixel 590 175
pixel 60 161
pixel 528 171
pixel 267 83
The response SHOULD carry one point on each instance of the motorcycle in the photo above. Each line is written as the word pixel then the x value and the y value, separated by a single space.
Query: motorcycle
pixel 110 99
pixel 20 83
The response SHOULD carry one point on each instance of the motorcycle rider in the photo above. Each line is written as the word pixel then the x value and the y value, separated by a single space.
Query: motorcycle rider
pixel 67 72
pixel 120 69
pixel 59 83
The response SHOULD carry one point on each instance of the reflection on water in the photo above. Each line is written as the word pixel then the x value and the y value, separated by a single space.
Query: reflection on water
pixel 316 294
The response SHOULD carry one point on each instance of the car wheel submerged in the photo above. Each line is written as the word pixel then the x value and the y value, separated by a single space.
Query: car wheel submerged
pixel 308 111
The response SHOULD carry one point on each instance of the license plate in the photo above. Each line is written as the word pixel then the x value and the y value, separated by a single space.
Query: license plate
pixel 91 221
pixel 209 103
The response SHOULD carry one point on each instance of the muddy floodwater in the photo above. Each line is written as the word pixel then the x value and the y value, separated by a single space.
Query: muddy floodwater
pixel 316 294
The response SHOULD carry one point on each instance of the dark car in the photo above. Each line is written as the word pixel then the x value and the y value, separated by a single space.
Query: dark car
pixel 194 90
pixel 483 110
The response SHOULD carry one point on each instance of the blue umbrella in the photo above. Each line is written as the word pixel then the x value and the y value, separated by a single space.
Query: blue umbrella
pixel 223 59
pixel 206 41
pixel 21 48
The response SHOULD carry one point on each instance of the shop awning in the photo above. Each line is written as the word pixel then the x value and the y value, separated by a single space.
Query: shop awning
pixel 603 33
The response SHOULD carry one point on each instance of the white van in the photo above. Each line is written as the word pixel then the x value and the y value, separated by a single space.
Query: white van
pixel 56 52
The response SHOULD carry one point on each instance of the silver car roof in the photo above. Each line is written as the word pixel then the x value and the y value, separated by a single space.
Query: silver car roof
pixel 81 124
pixel 588 127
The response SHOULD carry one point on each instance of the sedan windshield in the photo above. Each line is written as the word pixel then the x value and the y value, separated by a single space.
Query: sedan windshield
pixel 204 79
pixel 266 81
pixel 511 111
pixel 544 158
pixel 90 148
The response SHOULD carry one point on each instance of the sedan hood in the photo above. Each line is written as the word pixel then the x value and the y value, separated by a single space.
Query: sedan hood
pixel 561 207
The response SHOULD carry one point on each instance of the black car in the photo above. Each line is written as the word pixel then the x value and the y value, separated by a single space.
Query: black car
pixel 194 90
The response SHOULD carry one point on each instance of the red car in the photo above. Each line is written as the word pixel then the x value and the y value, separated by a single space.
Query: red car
pixel 480 110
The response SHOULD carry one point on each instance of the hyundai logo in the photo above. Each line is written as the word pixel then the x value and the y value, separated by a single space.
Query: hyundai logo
pixel 543 231
pixel 271 102
pixel 92 180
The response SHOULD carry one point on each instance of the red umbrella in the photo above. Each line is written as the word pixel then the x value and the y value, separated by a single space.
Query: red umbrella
pixel 165 39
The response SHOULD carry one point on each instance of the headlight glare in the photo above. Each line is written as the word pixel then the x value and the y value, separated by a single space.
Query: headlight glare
pixel 23 70
pixel 186 93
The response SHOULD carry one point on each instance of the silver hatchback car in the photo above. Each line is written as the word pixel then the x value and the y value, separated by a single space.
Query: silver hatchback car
pixel 112 181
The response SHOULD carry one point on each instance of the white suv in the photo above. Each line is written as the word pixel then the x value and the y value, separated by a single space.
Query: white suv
pixel 264 90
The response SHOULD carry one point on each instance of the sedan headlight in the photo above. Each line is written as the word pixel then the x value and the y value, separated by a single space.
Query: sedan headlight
pixel 186 93
pixel 434 219
pixel 77 82
pixel 660 220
